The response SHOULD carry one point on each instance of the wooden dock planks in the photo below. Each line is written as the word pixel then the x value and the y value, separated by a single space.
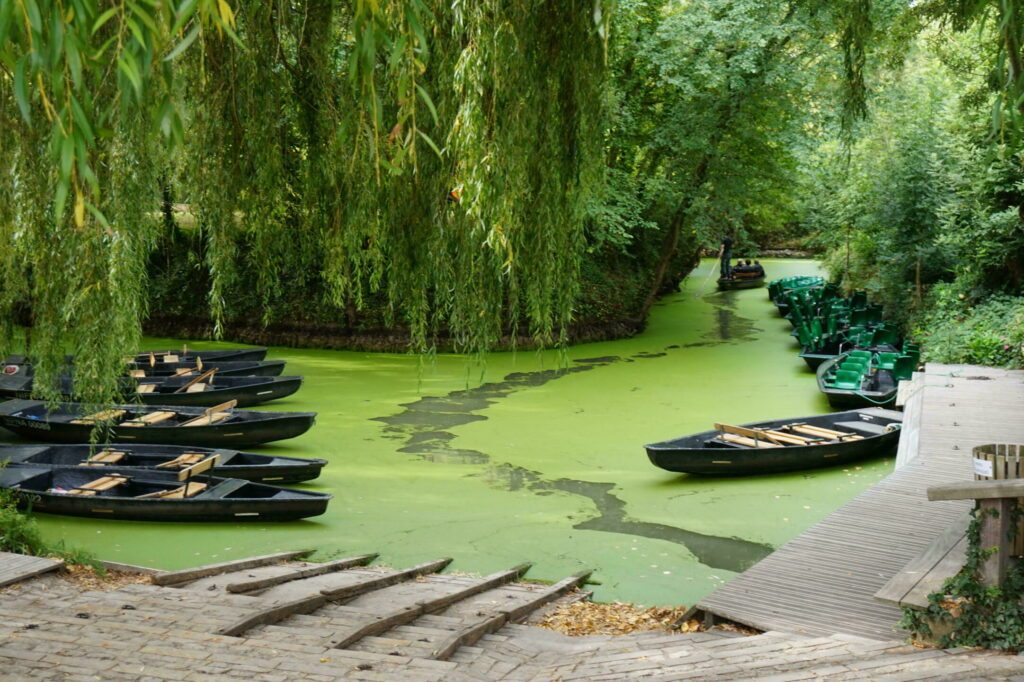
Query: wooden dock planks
pixel 823 582
pixel 17 567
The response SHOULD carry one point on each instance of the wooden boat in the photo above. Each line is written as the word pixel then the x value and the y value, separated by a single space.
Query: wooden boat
pixel 218 426
pixel 873 382
pixel 245 368
pixel 148 495
pixel 780 445
pixel 732 283
pixel 208 389
pixel 207 356
pixel 197 389
pixel 230 463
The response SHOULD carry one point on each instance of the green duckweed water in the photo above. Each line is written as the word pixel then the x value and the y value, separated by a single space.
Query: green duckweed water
pixel 538 457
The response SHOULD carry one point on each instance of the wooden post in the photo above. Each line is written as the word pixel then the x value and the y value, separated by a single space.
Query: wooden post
pixel 996 516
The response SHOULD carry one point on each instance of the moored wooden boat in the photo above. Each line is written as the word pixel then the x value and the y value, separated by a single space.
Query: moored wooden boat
pixel 254 354
pixel 206 390
pixel 228 368
pixel 862 377
pixel 218 426
pixel 229 464
pixel 148 495
pixel 732 283
pixel 201 389
pixel 780 445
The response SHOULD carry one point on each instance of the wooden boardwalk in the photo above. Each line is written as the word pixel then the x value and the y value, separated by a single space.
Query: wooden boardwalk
pixel 17 567
pixel 824 581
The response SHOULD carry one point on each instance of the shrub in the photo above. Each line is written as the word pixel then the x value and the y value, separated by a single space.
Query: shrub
pixel 955 330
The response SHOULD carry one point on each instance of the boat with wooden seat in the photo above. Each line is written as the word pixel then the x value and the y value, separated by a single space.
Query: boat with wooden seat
pixel 780 445
pixel 200 389
pixel 186 354
pixel 218 426
pixel 210 388
pixel 227 368
pixel 230 463
pixel 154 495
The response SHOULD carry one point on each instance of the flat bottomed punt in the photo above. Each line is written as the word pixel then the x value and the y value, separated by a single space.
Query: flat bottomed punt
pixel 230 368
pixel 218 426
pixel 254 354
pixel 230 463
pixel 731 283
pixel 780 445
pixel 146 495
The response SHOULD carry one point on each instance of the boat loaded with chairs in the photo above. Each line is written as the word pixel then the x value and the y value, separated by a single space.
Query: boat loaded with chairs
pixel 860 362
pixel 148 464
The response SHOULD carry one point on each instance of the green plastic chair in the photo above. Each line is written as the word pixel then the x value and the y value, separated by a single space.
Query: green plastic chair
pixel 846 379
pixel 904 367
pixel 887 360
pixel 866 354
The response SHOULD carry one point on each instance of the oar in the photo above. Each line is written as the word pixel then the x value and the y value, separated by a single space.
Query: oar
pixel 196 380
pixel 711 271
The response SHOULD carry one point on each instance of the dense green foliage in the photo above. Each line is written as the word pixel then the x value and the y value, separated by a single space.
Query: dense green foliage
pixel 923 210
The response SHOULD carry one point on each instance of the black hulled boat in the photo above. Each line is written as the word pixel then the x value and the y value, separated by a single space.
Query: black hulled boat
pixel 199 389
pixel 781 445
pixel 254 354
pixel 732 283
pixel 218 426
pixel 229 368
pixel 148 495
pixel 230 463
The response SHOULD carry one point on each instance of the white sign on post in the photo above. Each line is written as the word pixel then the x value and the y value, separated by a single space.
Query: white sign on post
pixel 983 467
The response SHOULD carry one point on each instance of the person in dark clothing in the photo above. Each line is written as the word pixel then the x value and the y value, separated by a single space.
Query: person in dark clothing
pixel 759 268
pixel 726 255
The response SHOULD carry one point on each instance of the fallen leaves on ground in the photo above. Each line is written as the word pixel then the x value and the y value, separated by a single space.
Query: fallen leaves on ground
pixel 86 577
pixel 588 618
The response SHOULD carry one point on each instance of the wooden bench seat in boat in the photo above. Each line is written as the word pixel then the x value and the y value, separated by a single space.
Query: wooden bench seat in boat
pixel 150 418
pixel 101 416
pixel 99 485
pixel 184 460
pixel 146 388
pixel 213 415
pixel 189 489
pixel 105 456
pixel 864 427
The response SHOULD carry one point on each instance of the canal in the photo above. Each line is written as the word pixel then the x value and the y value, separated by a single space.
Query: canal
pixel 538 457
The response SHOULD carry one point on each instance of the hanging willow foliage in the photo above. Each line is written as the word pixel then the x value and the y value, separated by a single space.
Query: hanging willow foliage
pixel 314 141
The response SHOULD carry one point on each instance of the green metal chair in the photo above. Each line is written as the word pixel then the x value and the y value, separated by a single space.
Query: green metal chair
pixel 846 379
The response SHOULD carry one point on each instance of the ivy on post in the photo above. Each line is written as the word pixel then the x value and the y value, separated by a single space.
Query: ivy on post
pixel 996 539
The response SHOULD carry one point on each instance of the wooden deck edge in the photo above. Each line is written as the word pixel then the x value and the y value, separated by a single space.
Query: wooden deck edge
pixel 189 574
pixel 40 569
pixel 129 568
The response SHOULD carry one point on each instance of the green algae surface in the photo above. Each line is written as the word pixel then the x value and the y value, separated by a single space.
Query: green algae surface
pixel 538 457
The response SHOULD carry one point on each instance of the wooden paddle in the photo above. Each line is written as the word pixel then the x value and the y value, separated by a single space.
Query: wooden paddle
pixel 763 434
pixel 196 380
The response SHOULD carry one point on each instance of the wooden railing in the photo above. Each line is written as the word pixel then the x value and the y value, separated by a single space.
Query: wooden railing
pixel 997 505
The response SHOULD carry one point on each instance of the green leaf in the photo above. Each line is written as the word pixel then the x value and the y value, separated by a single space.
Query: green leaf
pixel 60 198
pixel 126 64
pixel 429 102
pixel 97 214
pixel 104 18
pixel 184 13
pixel 6 16
pixel 189 38
pixel 67 157
pixel 20 90
pixel 430 143
pixel 133 26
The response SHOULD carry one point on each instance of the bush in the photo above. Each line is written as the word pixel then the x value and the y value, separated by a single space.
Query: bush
pixel 20 534
pixel 955 330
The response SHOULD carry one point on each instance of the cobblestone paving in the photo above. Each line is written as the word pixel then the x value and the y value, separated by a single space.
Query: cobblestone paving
pixel 50 629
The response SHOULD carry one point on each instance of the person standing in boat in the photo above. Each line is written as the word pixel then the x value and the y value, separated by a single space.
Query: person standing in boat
pixel 725 255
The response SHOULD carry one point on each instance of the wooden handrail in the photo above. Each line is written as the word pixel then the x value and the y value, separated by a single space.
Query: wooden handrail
pixel 978 490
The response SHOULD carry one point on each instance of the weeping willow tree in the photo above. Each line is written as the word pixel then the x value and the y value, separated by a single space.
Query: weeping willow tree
pixel 311 140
